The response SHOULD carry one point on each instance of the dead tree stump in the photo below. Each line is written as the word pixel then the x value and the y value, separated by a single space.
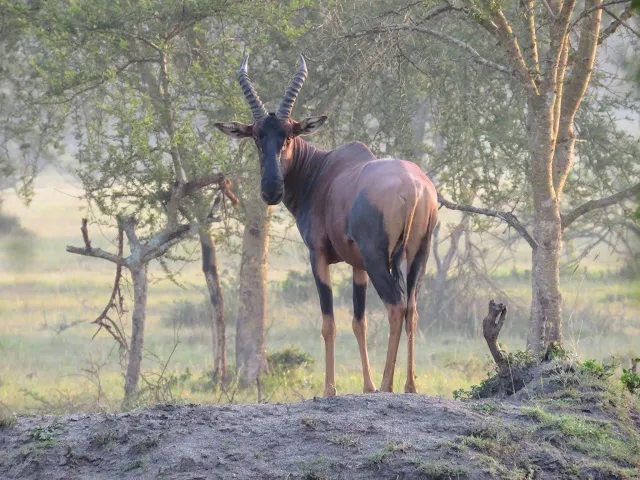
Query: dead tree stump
pixel 491 326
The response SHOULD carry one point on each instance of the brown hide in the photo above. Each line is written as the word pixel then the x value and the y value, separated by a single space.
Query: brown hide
pixel 402 193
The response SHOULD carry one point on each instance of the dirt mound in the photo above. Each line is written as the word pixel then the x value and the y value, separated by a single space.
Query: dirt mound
pixel 350 437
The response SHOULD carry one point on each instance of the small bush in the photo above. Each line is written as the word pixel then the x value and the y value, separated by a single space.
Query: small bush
pixel 9 224
pixel 507 378
pixel 599 370
pixel 298 287
pixel 630 379
pixel 188 314
pixel 7 418
pixel 288 361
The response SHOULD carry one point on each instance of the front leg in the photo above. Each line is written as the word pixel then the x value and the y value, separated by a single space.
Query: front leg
pixel 322 276
pixel 359 324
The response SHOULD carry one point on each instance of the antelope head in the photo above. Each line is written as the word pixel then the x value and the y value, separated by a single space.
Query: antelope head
pixel 273 133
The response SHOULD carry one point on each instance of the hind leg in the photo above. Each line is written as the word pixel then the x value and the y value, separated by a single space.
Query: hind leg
pixel 416 269
pixel 376 243
pixel 396 314
pixel 359 325
pixel 411 321
pixel 378 268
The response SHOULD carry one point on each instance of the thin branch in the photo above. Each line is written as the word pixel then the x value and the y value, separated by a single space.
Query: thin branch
pixel 85 235
pixel 605 202
pixel 619 20
pixel 445 38
pixel 587 11
pixel 551 14
pixel 115 301
pixel 217 178
pixel 508 217
pixel 89 251
pixel 129 227
pixel 512 46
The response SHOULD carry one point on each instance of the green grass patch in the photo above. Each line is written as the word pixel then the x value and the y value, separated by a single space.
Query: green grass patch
pixel 376 459
pixel 440 470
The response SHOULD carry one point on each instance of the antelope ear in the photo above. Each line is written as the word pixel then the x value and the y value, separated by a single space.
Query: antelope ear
pixel 308 125
pixel 235 129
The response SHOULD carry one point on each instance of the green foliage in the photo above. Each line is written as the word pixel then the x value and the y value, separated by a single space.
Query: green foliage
pixel 630 378
pixel 44 436
pixel 135 85
pixel 504 379
pixel 288 361
pixel 188 314
pixel 599 370
pixel 298 287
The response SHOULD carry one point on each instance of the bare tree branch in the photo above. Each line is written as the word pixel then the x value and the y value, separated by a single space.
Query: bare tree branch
pixel 605 202
pixel 618 20
pixel 444 37
pixel 162 242
pixel 587 11
pixel 508 217
pixel 129 227
pixel 89 251
pixel 551 14
pixel 216 178
pixel 115 302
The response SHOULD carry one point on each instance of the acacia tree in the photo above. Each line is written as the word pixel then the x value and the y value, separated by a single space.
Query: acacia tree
pixel 546 56
pixel 131 83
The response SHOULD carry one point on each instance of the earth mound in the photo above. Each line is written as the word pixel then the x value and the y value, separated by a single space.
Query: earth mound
pixel 399 436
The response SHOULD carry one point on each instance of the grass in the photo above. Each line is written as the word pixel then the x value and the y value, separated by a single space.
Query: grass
pixel 440 470
pixel 48 299
pixel 345 441
pixel 602 439
pixel 378 458
pixel 7 418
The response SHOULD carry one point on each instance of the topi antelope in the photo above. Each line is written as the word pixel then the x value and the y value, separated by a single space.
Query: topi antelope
pixel 349 207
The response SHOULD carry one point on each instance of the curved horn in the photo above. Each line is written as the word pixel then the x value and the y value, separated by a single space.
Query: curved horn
pixel 250 94
pixel 284 110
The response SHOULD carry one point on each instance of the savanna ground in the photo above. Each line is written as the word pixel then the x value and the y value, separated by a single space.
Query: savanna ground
pixel 49 364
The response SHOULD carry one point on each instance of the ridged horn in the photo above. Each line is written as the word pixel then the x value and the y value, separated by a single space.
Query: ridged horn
pixel 250 94
pixel 284 110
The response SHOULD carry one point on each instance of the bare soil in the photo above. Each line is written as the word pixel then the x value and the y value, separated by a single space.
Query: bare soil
pixel 390 436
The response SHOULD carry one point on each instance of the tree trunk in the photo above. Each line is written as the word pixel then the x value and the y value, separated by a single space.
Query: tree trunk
pixel 546 302
pixel 251 359
pixel 210 270
pixel 139 278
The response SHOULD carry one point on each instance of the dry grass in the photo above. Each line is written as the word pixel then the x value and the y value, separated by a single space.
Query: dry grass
pixel 48 298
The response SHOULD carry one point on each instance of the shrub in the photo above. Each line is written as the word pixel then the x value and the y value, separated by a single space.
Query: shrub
pixel 298 287
pixel 630 379
pixel 188 314
pixel 288 361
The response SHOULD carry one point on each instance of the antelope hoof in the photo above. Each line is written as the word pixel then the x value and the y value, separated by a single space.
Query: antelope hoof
pixel 410 388
pixel 329 391
pixel 369 389
pixel 386 388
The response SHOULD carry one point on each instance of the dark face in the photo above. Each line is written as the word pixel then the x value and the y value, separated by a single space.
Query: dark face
pixel 274 141
pixel 270 139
